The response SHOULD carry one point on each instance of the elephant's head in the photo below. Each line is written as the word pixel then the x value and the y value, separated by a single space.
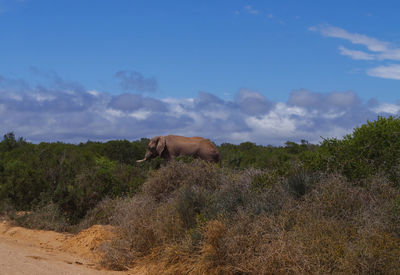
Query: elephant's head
pixel 155 148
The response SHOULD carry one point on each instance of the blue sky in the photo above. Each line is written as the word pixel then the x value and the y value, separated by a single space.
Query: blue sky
pixel 263 71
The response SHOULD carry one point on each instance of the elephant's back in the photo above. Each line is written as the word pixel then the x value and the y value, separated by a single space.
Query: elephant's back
pixel 209 150
pixel 194 146
pixel 200 140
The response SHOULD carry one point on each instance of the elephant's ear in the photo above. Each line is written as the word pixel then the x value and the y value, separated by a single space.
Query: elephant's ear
pixel 161 145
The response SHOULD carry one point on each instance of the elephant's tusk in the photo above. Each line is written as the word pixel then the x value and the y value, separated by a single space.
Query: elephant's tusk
pixel 141 160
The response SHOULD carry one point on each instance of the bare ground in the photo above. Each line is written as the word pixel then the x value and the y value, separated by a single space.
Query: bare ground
pixel 26 251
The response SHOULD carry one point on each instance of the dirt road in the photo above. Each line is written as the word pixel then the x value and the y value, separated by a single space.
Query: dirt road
pixel 20 259
pixel 37 252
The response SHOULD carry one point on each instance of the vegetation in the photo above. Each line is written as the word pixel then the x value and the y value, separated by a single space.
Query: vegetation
pixel 72 178
pixel 371 149
pixel 299 208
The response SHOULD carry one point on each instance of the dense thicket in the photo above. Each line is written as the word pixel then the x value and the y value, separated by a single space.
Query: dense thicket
pixel 298 208
pixel 372 148
pixel 193 218
pixel 76 177
pixel 72 177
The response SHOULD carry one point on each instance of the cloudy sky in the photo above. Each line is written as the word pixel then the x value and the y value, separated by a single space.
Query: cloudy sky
pixel 228 70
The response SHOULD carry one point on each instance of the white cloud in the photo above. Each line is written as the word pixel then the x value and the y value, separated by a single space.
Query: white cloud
pixel 40 115
pixel 283 108
pixel 357 55
pixel 387 108
pixel 380 50
pixel 371 43
pixel 391 54
pixel 273 124
pixel 93 92
pixel 111 113
pixel 332 115
pixel 140 114
pixel 390 72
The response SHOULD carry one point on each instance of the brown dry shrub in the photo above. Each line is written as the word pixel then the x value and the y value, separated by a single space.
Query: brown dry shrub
pixel 212 256
pixel 245 191
pixel 102 213
pixel 176 173
pixel 212 222
pixel 134 233
pixel 46 217
pixel 258 245
pixel 142 226
pixel 337 228
pixel 374 252
pixel 181 258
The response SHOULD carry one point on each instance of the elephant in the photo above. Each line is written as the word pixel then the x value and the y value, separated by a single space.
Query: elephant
pixel 171 146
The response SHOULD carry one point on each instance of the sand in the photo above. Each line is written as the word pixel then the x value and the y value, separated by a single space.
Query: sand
pixel 27 251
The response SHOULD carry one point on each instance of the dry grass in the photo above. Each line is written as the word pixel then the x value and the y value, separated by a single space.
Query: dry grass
pixel 194 218
pixel 47 217
pixel 101 214
pixel 337 228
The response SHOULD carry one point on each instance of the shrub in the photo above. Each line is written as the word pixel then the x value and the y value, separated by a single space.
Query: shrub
pixel 47 217
pixel 300 181
pixel 102 213
pixel 189 204
pixel 371 149
pixel 183 205
pixel 336 228
pixel 166 211
pixel 134 230
pixel 73 177
pixel 169 178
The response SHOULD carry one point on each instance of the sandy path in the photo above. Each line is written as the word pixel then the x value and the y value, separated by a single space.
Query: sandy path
pixel 20 259
pixel 37 252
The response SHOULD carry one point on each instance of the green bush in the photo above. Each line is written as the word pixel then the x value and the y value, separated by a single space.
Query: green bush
pixel 250 155
pixel 371 149
pixel 72 177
